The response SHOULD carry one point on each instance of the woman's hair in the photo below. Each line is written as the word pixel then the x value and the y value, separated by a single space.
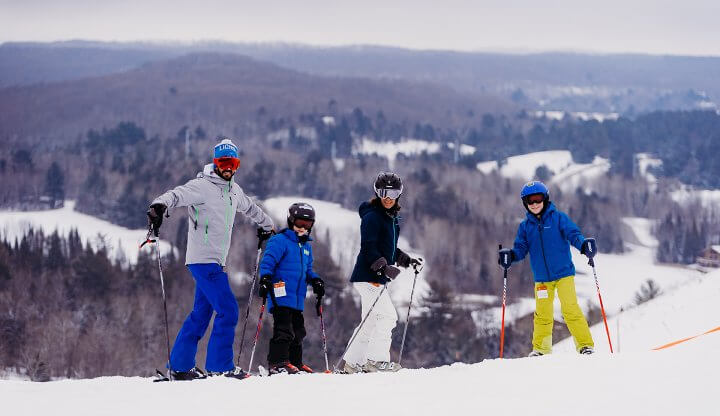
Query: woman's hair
pixel 375 201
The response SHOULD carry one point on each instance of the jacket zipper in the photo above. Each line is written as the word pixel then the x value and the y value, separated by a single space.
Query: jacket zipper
pixel 542 246
pixel 394 242
pixel 300 283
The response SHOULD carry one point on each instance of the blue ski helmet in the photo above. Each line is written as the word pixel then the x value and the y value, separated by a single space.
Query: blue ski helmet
pixel 532 188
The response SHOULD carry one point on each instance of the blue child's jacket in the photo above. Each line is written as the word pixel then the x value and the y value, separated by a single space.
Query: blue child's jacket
pixel 290 261
pixel 548 241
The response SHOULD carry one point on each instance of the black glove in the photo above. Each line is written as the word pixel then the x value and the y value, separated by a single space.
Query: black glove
pixel 265 285
pixel 589 248
pixel 381 268
pixel 318 286
pixel 155 216
pixel 264 234
pixel 402 260
pixel 505 257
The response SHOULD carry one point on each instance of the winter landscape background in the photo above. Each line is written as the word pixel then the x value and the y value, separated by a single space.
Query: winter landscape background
pixel 628 143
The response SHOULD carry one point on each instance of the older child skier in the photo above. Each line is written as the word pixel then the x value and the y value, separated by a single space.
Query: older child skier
pixel 286 270
pixel 547 234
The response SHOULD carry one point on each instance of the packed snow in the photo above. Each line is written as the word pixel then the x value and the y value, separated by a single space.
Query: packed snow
pixel 340 229
pixel 121 243
pixel 676 381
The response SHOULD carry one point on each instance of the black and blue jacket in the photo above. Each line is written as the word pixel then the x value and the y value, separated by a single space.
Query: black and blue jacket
pixel 379 233
pixel 289 260
pixel 548 241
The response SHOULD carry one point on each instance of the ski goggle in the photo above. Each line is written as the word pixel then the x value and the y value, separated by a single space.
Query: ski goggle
pixel 303 223
pixel 389 193
pixel 224 163
pixel 535 199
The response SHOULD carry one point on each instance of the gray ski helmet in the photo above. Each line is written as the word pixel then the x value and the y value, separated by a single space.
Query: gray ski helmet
pixel 388 184
pixel 300 210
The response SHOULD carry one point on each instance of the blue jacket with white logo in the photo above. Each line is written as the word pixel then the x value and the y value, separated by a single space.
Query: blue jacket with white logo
pixel 289 260
pixel 548 240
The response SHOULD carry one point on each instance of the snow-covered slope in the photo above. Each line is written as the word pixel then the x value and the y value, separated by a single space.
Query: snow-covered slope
pixel 684 311
pixel 563 170
pixel 677 381
pixel 340 229
pixel 120 241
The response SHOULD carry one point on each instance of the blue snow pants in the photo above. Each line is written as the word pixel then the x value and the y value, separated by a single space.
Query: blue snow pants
pixel 212 292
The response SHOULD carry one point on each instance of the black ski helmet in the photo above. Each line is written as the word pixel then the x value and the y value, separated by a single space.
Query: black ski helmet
pixel 300 210
pixel 388 184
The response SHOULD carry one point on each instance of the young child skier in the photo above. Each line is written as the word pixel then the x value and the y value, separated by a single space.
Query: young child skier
pixel 547 234
pixel 286 270
pixel 212 200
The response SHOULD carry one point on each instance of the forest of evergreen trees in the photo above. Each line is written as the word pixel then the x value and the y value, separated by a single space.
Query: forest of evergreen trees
pixel 68 310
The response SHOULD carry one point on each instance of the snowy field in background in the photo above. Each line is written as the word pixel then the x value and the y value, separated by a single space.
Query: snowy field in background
pixel 121 242
pixel 339 228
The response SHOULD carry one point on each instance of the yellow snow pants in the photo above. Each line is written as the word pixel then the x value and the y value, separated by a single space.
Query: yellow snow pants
pixel 571 312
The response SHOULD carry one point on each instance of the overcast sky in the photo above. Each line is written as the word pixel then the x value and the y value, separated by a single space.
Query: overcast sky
pixel 680 27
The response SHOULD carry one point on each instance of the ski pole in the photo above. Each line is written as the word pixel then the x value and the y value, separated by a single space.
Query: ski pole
pixel 319 310
pixel 156 240
pixel 250 299
pixel 259 325
pixel 591 262
pixel 337 364
pixel 407 320
pixel 504 297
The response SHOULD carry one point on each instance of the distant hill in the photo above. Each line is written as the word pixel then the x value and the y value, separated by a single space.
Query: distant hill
pixel 221 90
pixel 552 81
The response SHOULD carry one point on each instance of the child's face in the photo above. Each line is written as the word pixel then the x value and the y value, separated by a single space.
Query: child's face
pixel 535 203
pixel 536 208
pixel 299 231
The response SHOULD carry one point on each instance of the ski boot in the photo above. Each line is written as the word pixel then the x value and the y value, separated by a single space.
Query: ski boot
pixel 192 374
pixel 535 353
pixel 237 373
pixel 586 350
pixel 303 368
pixel 350 368
pixel 283 368
pixel 381 366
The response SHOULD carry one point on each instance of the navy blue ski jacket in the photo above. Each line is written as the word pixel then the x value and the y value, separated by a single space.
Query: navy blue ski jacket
pixel 290 261
pixel 379 233
pixel 548 240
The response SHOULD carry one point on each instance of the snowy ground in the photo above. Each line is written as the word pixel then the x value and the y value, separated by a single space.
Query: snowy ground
pixel 676 381
pixel 120 241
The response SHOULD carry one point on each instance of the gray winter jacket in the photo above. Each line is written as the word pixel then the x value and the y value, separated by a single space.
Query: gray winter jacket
pixel 212 203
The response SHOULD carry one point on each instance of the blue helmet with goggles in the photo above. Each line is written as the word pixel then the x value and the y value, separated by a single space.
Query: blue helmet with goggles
pixel 388 185
pixel 534 188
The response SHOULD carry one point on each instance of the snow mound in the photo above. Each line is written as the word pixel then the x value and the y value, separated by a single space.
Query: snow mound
pixel 121 242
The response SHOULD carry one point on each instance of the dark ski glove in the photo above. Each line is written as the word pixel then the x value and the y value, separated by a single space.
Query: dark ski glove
pixel 380 267
pixel 403 260
pixel 318 286
pixel 505 257
pixel 155 216
pixel 264 234
pixel 589 248
pixel 265 285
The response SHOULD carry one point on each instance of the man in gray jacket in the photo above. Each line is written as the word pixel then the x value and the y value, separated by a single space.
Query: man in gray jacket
pixel 212 200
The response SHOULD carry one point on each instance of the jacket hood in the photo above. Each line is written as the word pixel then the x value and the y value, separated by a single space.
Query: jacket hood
pixel 365 208
pixel 208 173
pixel 531 217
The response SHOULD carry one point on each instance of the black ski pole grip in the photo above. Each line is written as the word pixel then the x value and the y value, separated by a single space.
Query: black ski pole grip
pixel 318 306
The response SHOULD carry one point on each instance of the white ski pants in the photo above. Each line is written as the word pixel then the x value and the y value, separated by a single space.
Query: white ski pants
pixel 373 341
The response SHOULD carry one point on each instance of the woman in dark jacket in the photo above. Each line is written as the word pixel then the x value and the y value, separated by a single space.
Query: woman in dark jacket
pixel 379 232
